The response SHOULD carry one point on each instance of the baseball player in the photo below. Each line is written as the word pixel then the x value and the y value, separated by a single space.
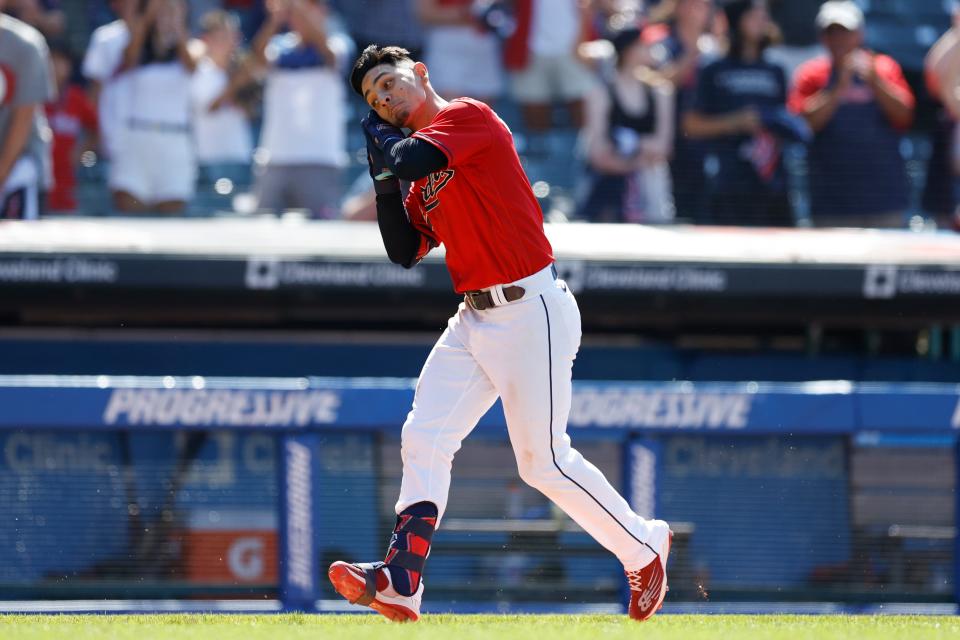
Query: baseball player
pixel 514 336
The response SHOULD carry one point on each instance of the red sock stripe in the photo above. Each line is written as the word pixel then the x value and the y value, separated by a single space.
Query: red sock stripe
pixel 414 578
pixel 417 545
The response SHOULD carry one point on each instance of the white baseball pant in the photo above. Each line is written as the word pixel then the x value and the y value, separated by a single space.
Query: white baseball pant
pixel 522 352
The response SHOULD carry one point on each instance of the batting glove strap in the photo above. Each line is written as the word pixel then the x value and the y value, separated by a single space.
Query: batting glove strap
pixel 387 185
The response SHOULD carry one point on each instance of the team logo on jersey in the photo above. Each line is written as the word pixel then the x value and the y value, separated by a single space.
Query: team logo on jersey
pixel 430 192
pixel 8 84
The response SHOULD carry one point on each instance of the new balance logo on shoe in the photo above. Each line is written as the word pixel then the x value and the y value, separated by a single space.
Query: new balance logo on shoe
pixel 648 586
pixel 649 595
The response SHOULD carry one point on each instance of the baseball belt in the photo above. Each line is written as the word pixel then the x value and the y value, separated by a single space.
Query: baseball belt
pixel 481 300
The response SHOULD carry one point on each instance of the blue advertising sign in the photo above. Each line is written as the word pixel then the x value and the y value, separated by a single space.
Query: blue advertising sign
pixel 813 407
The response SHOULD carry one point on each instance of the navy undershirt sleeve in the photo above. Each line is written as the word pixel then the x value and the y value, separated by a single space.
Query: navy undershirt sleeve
pixel 400 238
pixel 412 159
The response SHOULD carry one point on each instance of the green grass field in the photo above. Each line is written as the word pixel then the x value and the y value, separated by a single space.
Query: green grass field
pixel 451 627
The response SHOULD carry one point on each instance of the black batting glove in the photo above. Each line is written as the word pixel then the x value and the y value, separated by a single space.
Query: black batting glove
pixel 384 181
pixel 383 134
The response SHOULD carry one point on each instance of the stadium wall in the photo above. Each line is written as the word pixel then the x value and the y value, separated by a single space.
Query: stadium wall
pixel 213 487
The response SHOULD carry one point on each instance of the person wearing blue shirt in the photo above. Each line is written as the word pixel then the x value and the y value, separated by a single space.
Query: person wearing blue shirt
pixel 739 99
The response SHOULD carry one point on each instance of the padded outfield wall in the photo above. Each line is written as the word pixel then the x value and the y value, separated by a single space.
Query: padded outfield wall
pixel 124 487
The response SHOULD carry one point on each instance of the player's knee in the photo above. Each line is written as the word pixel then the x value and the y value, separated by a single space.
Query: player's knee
pixel 536 470
pixel 416 442
pixel 412 441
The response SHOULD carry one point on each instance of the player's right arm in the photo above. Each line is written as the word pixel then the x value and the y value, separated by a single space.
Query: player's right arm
pixel 406 158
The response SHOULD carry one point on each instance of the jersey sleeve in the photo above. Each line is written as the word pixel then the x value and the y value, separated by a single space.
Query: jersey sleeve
pixel 34 77
pixel 810 79
pixel 460 131
pixel 891 73
pixel 101 60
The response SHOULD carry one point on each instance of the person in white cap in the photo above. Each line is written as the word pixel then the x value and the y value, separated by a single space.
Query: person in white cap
pixel 858 105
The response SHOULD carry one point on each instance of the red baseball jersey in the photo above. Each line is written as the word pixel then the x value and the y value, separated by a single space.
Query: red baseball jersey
pixel 816 75
pixel 481 206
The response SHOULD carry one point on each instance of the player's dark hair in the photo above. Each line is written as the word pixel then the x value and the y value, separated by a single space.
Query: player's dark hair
pixel 374 56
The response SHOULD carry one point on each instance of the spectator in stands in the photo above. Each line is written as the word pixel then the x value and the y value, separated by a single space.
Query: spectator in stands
pixel 609 16
pixel 44 15
pixel 252 13
pixel 858 105
pixel 73 119
pixel 221 126
pixel 303 145
pixel 682 45
pixel 739 104
pixel 542 55
pixel 628 139
pixel 108 86
pixel 942 73
pixel 155 165
pixel 379 21
pixel 463 56
pixel 25 86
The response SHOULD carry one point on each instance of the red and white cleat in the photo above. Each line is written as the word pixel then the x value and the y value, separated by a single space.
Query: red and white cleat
pixel 369 584
pixel 648 586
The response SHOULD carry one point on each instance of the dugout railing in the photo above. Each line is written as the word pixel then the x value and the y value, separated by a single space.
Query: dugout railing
pixel 193 488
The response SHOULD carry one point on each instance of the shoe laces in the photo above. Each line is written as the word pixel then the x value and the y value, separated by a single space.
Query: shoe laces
pixel 635 580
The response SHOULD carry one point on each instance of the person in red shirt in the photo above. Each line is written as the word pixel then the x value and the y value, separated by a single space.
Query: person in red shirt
pixel 858 105
pixel 515 335
pixel 72 117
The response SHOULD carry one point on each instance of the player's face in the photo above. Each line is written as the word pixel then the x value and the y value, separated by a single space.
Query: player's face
pixel 395 93
pixel 840 41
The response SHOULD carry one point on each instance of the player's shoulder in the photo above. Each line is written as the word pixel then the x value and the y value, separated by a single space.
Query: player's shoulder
pixel 886 64
pixel 817 67
pixel 21 35
pixel 468 106
pixel 464 110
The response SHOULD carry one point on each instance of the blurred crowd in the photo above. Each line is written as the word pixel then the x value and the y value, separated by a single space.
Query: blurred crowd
pixel 736 112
